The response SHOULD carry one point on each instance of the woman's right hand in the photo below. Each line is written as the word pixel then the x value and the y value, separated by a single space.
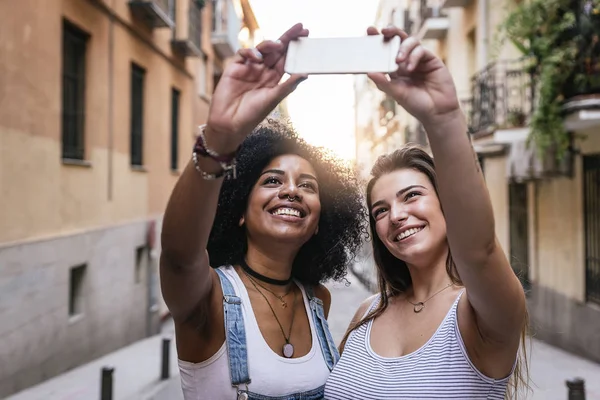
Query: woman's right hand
pixel 249 89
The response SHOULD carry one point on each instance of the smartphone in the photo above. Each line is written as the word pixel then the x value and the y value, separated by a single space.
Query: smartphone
pixel 345 55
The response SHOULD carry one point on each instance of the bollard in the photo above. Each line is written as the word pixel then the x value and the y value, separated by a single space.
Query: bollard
pixel 576 389
pixel 106 386
pixel 166 346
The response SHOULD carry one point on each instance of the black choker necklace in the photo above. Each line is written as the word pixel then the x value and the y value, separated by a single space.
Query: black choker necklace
pixel 263 278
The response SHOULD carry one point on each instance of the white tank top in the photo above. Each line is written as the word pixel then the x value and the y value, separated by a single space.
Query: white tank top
pixel 271 374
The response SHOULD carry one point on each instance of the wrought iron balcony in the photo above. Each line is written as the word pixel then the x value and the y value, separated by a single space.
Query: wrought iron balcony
pixel 502 96
pixel 155 13
pixel 226 28
pixel 432 23
pixel 456 3
pixel 416 135
pixel 408 22
pixel 188 34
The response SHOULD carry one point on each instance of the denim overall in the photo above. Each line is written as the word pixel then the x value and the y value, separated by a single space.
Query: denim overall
pixel 235 337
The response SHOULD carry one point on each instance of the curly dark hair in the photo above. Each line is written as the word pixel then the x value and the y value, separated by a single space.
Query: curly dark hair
pixel 343 222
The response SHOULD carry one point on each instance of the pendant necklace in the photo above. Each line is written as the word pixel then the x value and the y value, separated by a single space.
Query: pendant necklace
pixel 288 348
pixel 418 307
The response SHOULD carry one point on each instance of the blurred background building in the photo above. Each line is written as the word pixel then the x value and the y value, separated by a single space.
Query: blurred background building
pixel 99 104
pixel 546 204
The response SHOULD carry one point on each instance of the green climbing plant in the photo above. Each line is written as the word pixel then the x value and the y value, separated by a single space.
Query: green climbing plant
pixel 560 41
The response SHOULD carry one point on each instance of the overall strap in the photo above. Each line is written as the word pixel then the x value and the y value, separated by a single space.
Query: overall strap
pixel 328 348
pixel 235 333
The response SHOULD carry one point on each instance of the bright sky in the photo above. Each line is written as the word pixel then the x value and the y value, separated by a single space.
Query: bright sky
pixel 322 107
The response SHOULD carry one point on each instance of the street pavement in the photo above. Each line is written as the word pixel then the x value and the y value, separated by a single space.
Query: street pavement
pixel 137 367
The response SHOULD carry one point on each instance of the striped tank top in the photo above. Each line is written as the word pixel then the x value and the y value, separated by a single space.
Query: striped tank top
pixel 440 369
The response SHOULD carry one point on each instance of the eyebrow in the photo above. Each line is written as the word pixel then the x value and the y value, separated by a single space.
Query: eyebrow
pixel 398 194
pixel 280 172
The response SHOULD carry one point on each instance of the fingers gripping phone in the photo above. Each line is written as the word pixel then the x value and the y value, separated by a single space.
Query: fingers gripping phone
pixel 349 55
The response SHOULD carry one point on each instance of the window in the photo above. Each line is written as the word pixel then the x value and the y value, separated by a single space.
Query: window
pixel 519 231
pixel 201 78
pixel 216 79
pixel 175 95
pixel 137 114
pixel 76 281
pixel 140 259
pixel 173 9
pixel 74 43
pixel 471 63
pixel 217 12
pixel 591 216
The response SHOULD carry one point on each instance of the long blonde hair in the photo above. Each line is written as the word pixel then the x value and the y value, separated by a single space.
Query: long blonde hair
pixel 393 276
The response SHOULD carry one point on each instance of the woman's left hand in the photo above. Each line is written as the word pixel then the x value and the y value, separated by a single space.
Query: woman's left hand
pixel 422 84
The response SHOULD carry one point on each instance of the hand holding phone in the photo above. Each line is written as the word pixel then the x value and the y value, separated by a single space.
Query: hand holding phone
pixel 349 55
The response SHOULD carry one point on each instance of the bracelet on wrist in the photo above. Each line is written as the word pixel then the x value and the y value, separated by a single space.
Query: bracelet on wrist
pixel 227 162
pixel 227 169
pixel 201 148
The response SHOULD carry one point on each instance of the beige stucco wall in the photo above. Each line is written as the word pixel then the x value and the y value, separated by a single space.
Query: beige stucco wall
pixel 556 230
pixel 560 242
pixel 495 177
pixel 560 234
pixel 455 49
pixel 41 196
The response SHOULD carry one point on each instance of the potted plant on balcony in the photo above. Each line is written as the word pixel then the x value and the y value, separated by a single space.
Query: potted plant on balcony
pixel 561 40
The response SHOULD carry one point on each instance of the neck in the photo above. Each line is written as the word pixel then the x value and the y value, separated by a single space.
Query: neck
pixel 428 279
pixel 273 265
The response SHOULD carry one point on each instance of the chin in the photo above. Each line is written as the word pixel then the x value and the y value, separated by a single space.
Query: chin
pixel 287 236
pixel 414 254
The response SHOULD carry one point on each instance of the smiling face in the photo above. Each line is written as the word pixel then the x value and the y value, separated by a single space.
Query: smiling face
pixel 408 216
pixel 284 204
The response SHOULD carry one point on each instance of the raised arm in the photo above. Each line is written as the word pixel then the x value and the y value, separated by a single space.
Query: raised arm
pixel 248 91
pixel 423 86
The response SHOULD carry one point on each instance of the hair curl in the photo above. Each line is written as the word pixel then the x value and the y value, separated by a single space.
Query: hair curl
pixel 343 219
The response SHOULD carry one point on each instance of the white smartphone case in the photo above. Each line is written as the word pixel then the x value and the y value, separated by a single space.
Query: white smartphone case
pixel 349 55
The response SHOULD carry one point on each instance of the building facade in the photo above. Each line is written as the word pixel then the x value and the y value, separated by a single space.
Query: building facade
pixel 100 100
pixel 547 209
pixel 381 125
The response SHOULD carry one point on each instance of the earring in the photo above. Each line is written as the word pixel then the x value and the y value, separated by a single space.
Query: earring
pixel 317 230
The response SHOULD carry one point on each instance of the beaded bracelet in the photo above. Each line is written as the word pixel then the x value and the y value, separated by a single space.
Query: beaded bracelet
pixel 227 162
pixel 202 149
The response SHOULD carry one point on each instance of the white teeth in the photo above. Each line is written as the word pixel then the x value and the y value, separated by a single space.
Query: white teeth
pixel 408 233
pixel 287 211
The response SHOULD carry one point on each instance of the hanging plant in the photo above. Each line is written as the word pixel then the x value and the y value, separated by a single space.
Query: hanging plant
pixel 560 40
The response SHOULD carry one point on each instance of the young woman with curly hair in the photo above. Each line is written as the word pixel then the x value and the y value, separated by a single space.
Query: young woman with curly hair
pixel 254 326
pixel 451 314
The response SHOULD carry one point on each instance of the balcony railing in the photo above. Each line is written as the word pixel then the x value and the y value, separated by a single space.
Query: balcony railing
pixel 416 135
pixel 226 28
pixel 408 22
pixel 431 22
pixel 502 96
pixel 155 13
pixel 456 3
pixel 188 35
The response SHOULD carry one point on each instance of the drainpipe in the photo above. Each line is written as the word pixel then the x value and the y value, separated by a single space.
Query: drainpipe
pixel 482 33
pixel 110 145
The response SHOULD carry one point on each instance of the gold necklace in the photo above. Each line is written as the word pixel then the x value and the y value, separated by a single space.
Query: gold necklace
pixel 418 307
pixel 283 302
pixel 288 348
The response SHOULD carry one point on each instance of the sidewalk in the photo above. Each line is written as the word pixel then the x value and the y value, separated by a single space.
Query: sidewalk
pixel 136 375
pixel 137 367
